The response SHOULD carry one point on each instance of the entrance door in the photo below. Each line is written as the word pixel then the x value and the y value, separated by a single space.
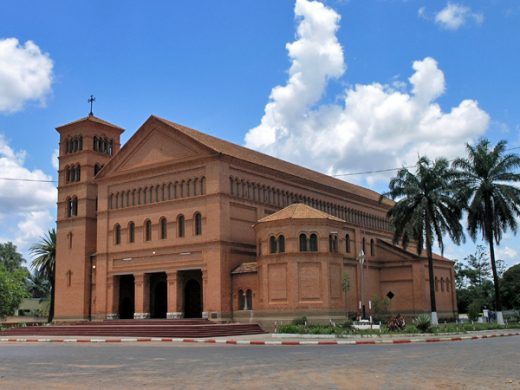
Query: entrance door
pixel 158 295
pixel 126 297
pixel 192 299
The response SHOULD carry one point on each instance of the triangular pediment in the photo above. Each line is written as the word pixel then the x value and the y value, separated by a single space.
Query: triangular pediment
pixel 159 147
pixel 154 144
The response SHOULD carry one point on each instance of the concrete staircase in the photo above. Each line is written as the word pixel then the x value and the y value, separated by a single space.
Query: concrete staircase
pixel 189 328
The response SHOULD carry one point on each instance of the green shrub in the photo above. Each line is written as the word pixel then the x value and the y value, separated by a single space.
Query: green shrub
pixel 474 310
pixel 423 323
pixel 300 321
pixel 347 324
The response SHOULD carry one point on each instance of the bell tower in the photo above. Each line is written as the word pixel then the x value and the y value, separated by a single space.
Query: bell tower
pixel 86 145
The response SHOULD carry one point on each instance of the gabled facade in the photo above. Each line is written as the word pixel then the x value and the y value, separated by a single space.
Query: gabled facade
pixel 181 224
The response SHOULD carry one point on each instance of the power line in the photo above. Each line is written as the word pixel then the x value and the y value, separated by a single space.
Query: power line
pixel 392 169
pixel 34 180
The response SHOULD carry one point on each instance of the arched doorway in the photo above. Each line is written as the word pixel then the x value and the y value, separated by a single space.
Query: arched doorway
pixel 192 299
pixel 126 297
pixel 158 295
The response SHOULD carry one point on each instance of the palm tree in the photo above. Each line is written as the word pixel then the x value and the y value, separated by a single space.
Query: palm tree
pixel 484 179
pixel 44 262
pixel 426 210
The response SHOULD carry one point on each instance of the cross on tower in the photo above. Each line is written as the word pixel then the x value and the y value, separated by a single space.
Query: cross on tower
pixel 91 100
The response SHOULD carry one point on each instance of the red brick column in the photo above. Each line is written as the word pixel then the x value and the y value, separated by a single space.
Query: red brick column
pixel 174 309
pixel 142 296
pixel 112 298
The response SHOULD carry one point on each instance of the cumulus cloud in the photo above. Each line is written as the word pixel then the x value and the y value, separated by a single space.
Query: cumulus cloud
pixel 25 74
pixel 454 16
pixel 507 253
pixel 316 56
pixel 26 205
pixel 373 126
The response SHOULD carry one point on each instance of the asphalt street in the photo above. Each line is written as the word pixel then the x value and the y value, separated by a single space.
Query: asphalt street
pixel 480 364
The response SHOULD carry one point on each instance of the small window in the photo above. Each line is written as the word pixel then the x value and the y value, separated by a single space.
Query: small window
pixel 303 242
pixel 390 295
pixel 448 285
pixel 180 225
pixel 117 234
pixel 131 232
pixel 164 228
pixel 347 243
pixel 272 244
pixel 333 243
pixel 198 224
pixel 442 284
pixel 148 230
pixel 363 245
pixel 281 244
pixel 313 243
pixel 436 284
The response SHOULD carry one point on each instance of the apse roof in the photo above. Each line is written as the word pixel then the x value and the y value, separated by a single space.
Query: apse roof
pixel 299 211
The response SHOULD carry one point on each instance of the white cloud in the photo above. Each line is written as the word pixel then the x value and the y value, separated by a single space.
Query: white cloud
pixel 26 206
pixel 506 253
pixel 374 126
pixel 25 74
pixel 316 57
pixel 54 159
pixel 454 16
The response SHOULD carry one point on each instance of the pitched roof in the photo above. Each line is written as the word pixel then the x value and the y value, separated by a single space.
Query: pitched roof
pixel 252 156
pixel 245 268
pixel 409 251
pixel 91 118
pixel 299 211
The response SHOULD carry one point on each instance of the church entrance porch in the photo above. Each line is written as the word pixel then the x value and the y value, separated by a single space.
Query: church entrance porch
pixel 126 297
pixel 192 293
pixel 158 295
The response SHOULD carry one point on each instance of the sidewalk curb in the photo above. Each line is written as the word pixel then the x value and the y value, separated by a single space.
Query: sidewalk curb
pixel 256 342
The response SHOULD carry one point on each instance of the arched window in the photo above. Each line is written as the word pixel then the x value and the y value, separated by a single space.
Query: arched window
pixel 436 284
pixel 372 247
pixel 313 241
pixel 94 144
pixel 272 244
pixel 249 300
pixel 147 230
pixel 303 242
pixel 117 234
pixel 333 243
pixel 347 243
pixel 74 207
pixel 180 226
pixel 241 300
pixel 164 228
pixel 197 218
pixel 131 232
pixel 281 243
pixel 442 284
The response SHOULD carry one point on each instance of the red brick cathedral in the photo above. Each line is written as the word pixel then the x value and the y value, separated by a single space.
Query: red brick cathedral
pixel 180 224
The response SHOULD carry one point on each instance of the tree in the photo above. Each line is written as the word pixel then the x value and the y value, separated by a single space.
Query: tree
pixel 44 263
pixel 9 257
pixel 38 286
pixel 12 289
pixel 484 179
pixel 510 287
pixel 427 208
pixel 474 286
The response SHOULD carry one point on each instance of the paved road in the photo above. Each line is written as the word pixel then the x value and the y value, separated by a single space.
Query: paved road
pixel 482 364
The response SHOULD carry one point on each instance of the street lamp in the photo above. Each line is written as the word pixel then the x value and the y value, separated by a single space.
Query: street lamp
pixel 361 259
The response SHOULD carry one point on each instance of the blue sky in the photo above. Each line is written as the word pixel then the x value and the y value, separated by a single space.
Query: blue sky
pixel 394 79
